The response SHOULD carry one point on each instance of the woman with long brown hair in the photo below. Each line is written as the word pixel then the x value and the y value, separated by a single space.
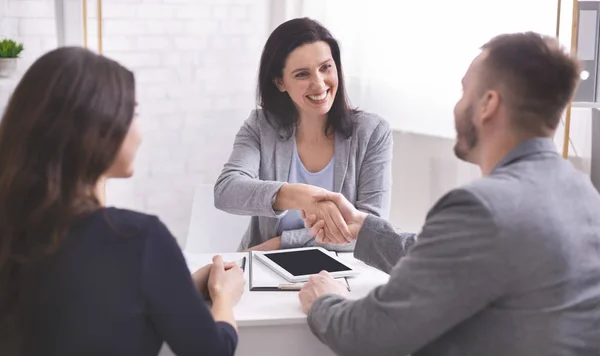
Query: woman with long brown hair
pixel 77 278
pixel 304 141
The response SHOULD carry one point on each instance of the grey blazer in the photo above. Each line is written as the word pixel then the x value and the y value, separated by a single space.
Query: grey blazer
pixel 260 162
pixel 506 265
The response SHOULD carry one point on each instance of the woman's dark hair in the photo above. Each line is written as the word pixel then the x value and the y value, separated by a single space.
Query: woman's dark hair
pixel 285 38
pixel 61 131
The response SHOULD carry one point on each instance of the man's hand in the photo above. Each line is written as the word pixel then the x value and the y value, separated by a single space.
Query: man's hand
pixel 337 229
pixel 320 229
pixel 307 198
pixel 318 285
pixel 269 245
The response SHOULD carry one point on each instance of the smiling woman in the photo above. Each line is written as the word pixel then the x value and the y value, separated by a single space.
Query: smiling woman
pixel 305 138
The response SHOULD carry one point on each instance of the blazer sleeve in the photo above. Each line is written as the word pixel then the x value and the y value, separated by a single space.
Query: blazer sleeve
pixel 374 189
pixel 178 312
pixel 381 245
pixel 456 268
pixel 374 181
pixel 302 238
pixel 238 189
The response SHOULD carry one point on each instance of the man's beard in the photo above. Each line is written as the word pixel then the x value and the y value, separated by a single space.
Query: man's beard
pixel 466 134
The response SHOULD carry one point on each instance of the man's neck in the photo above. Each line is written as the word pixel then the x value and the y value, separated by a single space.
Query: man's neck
pixel 497 149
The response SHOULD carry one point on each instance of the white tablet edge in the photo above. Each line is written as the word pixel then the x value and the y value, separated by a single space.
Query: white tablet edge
pixel 290 277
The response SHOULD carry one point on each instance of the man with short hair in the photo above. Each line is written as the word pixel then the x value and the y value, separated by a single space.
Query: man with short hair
pixel 506 265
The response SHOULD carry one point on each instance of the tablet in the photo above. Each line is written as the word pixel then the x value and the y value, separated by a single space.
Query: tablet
pixel 297 264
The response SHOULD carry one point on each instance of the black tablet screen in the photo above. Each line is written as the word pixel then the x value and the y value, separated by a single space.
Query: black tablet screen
pixel 300 263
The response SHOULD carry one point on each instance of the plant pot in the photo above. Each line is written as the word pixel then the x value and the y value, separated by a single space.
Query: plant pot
pixel 8 66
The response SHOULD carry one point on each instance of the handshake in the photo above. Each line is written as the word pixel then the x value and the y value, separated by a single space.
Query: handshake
pixel 331 218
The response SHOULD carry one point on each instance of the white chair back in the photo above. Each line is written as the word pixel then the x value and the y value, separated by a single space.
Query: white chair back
pixel 212 230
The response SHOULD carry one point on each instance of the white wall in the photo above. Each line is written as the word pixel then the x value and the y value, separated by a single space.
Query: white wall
pixel 424 168
pixel 32 23
pixel 407 58
pixel 195 64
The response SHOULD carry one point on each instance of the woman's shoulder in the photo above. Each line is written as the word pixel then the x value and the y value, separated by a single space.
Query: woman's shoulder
pixel 364 123
pixel 367 124
pixel 264 126
pixel 121 222
pixel 261 119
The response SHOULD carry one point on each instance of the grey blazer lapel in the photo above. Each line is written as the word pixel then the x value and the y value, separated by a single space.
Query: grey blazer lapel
pixel 284 148
pixel 341 154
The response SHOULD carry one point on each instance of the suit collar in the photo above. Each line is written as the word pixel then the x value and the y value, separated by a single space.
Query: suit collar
pixel 528 148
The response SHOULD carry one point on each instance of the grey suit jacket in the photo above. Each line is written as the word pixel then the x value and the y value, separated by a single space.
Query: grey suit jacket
pixel 506 265
pixel 260 163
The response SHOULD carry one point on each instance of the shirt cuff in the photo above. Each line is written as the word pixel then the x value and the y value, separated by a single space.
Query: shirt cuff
pixel 314 313
pixel 230 330
pixel 294 238
pixel 277 213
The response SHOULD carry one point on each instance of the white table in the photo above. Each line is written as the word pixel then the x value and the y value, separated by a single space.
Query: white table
pixel 273 323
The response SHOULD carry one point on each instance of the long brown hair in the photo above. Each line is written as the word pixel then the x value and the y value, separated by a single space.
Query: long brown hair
pixel 285 39
pixel 61 131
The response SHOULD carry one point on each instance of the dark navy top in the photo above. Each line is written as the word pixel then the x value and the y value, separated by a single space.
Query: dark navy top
pixel 119 285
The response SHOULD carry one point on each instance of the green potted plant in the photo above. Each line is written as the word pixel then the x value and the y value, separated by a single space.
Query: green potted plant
pixel 9 53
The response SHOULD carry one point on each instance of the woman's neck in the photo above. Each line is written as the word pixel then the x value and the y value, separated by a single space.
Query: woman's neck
pixel 311 129
pixel 100 191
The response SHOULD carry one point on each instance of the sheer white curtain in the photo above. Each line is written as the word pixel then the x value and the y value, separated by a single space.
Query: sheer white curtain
pixel 405 59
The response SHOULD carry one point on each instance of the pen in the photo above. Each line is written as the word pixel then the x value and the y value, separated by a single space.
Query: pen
pixel 243 264
pixel 296 286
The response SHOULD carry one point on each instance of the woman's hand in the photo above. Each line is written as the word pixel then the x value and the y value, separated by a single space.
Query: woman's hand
pixel 319 227
pixel 225 286
pixel 332 222
pixel 269 245
pixel 308 199
pixel 326 211
pixel 200 277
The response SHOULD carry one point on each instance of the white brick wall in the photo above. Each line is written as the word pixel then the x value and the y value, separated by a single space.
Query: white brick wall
pixel 195 63
pixel 32 23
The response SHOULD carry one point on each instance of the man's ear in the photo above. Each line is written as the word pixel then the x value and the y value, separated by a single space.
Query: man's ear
pixel 279 84
pixel 490 104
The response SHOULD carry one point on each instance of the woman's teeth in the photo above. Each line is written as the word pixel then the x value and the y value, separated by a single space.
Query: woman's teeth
pixel 318 97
